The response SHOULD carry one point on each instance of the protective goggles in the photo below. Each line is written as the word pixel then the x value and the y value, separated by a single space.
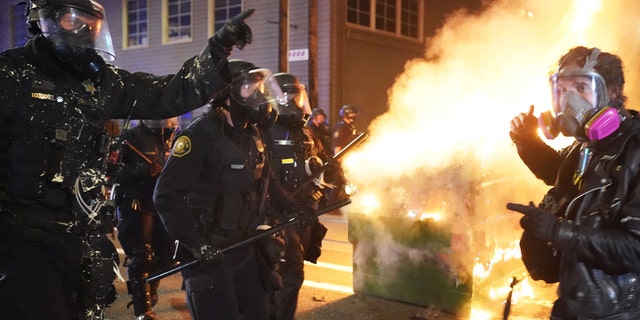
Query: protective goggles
pixel 74 27
pixel 256 87
pixel 296 94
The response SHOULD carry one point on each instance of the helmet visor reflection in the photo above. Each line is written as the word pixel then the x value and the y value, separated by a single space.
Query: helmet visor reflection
pixel 256 87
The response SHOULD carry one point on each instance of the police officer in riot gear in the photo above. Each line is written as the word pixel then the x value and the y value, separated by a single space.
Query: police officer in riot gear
pixel 320 130
pixel 146 243
pixel 345 130
pixel 56 93
pixel 295 158
pixel 212 193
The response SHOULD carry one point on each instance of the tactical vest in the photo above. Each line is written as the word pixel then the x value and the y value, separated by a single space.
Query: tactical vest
pixel 291 148
pixel 54 136
pixel 234 191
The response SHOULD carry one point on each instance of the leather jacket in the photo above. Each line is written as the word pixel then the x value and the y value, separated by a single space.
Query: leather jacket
pixel 596 259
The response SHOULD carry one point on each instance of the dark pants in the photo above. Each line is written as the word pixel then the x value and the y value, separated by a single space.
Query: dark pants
pixel 148 247
pixel 231 289
pixel 40 282
pixel 292 272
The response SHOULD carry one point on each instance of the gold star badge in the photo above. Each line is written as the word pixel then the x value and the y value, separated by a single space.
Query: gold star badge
pixel 181 147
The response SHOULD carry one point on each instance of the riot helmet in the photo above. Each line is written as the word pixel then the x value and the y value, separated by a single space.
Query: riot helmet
pixel 166 127
pixel 295 112
pixel 349 112
pixel 254 94
pixel 580 97
pixel 317 112
pixel 76 28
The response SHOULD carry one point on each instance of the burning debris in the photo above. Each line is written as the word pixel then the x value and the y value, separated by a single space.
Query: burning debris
pixel 429 224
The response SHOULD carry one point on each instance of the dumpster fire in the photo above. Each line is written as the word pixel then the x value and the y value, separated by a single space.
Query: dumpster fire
pixel 429 224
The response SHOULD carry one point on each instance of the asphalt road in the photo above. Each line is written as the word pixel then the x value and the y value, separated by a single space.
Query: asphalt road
pixel 326 294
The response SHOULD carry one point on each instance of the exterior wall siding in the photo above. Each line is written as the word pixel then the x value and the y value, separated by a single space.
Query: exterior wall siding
pixel 355 65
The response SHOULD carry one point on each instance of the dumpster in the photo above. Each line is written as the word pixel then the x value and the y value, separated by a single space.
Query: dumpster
pixel 443 240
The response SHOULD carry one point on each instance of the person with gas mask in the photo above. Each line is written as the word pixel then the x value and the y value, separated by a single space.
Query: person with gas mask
pixel 345 130
pixel 144 240
pixel 56 93
pixel 213 193
pixel 585 233
pixel 296 160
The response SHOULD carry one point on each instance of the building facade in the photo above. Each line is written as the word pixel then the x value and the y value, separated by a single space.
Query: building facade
pixel 358 47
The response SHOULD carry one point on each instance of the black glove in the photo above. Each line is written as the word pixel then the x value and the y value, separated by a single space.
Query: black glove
pixel 541 223
pixel 235 32
pixel 207 253
pixel 306 215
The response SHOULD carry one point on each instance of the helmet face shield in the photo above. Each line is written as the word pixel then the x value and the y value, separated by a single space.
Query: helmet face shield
pixel 296 98
pixel 255 88
pixel 70 26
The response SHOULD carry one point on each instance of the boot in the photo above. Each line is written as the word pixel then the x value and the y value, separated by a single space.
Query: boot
pixel 140 298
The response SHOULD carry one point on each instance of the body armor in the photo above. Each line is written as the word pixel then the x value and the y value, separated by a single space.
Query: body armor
pixel 292 150
pixel 57 141
pixel 234 199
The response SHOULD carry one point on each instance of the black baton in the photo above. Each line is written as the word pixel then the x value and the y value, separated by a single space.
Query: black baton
pixel 181 266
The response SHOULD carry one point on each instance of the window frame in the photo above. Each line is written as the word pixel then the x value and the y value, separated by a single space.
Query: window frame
pixel 230 12
pixel 166 38
pixel 125 26
pixel 399 24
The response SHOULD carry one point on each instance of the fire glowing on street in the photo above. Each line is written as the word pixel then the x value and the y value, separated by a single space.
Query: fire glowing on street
pixel 441 155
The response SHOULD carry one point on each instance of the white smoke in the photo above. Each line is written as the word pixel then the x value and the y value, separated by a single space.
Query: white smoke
pixel 451 110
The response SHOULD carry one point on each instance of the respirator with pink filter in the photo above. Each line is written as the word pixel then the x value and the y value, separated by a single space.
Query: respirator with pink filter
pixel 580 104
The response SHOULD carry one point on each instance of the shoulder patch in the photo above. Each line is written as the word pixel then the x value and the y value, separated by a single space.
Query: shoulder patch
pixel 181 146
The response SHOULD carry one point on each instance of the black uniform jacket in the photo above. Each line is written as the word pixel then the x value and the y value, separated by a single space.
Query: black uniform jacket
pixel 211 185
pixel 597 259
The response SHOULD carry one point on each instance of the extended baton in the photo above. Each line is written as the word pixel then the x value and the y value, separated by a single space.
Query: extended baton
pixel 181 266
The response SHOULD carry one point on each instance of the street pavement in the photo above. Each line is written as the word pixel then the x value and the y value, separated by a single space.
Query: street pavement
pixel 326 294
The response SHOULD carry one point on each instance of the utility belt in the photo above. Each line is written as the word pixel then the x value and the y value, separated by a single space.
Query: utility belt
pixel 230 236
pixel 47 227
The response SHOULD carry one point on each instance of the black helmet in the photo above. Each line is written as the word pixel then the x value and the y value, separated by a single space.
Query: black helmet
pixel 317 111
pixel 295 112
pixel 76 28
pixel 349 111
pixel 254 94
pixel 162 126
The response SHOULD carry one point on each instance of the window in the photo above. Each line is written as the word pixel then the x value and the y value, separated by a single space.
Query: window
pixel 400 17
pixel 359 12
pixel 178 20
pixel 224 10
pixel 409 18
pixel 137 33
pixel 18 23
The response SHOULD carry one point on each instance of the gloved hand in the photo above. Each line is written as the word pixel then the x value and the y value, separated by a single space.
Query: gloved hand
pixel 541 223
pixel 235 32
pixel 306 215
pixel 207 253
pixel 524 125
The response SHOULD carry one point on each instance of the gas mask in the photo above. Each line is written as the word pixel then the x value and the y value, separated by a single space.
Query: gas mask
pixel 296 112
pixel 254 97
pixel 580 104
pixel 77 30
